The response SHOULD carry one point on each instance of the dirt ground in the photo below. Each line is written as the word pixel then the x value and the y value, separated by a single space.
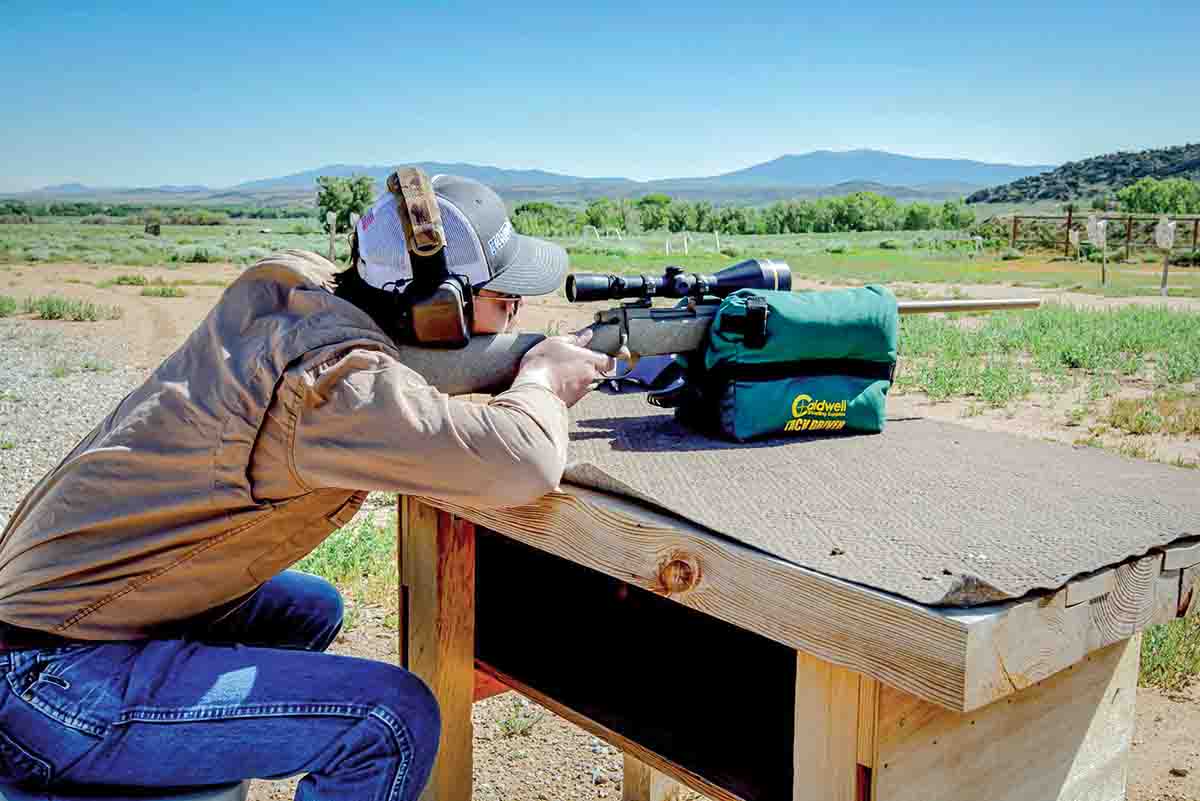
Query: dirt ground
pixel 557 760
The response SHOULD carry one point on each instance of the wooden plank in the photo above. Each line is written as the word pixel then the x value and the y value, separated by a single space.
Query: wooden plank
pixel 884 636
pixel 826 734
pixel 961 659
pixel 644 783
pixel 1180 556
pixel 1129 608
pixel 1166 596
pixel 1067 738
pixel 868 713
pixel 1091 586
pixel 1189 593
pixel 1022 643
pixel 644 755
pixel 486 686
pixel 439 573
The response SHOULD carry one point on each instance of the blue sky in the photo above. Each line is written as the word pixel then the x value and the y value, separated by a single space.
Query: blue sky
pixel 216 93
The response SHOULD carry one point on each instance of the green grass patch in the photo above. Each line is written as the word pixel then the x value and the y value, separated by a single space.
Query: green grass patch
pixel 8 306
pixel 53 307
pixel 7 444
pixel 1164 413
pixel 163 292
pixel 1171 654
pixel 996 357
pixel 360 558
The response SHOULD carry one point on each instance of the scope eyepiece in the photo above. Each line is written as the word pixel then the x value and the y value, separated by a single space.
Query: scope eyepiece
pixel 675 283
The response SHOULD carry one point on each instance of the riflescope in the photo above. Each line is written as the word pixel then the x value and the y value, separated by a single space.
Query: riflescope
pixel 675 283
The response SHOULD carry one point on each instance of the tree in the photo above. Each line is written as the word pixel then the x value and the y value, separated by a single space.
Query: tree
pixel 343 196
pixel 652 211
pixel 956 216
pixel 1151 196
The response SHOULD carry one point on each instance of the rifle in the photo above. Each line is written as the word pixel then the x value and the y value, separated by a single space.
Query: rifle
pixel 489 363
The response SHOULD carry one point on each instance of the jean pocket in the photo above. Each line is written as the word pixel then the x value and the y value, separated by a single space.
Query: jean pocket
pixel 77 687
pixel 19 766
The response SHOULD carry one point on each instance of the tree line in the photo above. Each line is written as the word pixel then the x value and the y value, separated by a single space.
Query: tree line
pixel 860 211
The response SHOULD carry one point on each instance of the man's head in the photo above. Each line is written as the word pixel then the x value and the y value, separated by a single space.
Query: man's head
pixel 501 265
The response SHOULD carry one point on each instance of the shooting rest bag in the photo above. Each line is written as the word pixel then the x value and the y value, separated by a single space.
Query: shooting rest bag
pixel 784 363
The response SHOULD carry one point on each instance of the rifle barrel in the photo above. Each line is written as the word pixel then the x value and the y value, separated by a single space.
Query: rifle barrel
pixel 996 304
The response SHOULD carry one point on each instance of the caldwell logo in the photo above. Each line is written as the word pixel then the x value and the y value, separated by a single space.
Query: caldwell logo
pixel 804 408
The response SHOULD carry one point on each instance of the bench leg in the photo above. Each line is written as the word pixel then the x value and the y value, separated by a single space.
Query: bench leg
pixel 644 783
pixel 833 746
pixel 436 552
pixel 1065 738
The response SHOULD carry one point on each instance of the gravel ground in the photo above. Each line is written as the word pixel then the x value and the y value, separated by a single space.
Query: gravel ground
pixel 56 383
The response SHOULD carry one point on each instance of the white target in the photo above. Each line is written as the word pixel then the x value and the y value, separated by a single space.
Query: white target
pixel 1164 234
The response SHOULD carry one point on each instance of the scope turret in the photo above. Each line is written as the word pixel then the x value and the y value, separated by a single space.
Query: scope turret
pixel 675 283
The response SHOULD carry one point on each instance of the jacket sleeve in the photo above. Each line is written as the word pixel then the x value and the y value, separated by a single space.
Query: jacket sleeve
pixel 367 422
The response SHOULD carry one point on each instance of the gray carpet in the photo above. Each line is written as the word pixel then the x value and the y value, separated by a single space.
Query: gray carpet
pixel 935 512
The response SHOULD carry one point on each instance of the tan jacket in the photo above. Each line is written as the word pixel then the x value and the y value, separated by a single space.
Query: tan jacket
pixel 247 447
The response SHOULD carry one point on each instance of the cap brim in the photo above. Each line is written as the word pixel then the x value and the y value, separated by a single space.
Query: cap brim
pixel 537 268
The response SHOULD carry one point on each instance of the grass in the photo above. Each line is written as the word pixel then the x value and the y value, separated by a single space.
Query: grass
pixel 7 444
pixel 1006 355
pixel 360 558
pixel 66 240
pixel 163 292
pixel 919 257
pixel 8 306
pixel 1170 412
pixel 520 721
pixel 1171 655
pixel 53 307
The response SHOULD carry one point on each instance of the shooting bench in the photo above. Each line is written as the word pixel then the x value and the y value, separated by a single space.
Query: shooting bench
pixel 931 613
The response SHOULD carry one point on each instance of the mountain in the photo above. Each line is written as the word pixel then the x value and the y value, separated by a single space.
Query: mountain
pixel 821 173
pixel 495 177
pixel 1100 175
pixel 826 167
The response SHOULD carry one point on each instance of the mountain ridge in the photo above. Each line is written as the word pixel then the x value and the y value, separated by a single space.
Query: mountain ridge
pixel 805 174
pixel 1098 175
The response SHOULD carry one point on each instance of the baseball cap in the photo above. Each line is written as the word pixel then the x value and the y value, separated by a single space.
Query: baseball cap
pixel 480 243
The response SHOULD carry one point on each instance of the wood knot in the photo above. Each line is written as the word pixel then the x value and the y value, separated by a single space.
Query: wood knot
pixel 679 573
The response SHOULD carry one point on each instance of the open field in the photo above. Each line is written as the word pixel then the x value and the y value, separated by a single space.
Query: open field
pixel 920 256
pixel 1091 370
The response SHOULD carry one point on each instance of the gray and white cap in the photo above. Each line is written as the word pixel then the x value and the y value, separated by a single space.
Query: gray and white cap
pixel 480 243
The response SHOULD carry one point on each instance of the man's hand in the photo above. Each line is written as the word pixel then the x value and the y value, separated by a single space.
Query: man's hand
pixel 566 366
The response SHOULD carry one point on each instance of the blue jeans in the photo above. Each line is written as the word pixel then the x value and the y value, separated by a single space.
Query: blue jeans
pixel 247 696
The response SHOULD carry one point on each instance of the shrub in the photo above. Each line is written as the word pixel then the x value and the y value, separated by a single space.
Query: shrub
pixel 163 292
pixel 1011 254
pixel 130 280
pixel 53 307
pixel 8 306
pixel 889 244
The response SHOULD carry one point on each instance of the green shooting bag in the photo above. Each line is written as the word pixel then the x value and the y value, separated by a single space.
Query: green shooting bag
pixel 792 364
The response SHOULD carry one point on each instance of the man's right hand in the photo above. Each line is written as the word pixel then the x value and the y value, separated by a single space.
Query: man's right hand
pixel 565 366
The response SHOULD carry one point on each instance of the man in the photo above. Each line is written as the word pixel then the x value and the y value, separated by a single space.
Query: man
pixel 150 634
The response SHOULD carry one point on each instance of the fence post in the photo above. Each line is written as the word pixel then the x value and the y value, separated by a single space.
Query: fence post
pixel 1012 240
pixel 330 220
pixel 717 235
pixel 1067 243
pixel 1129 240
pixel 1196 236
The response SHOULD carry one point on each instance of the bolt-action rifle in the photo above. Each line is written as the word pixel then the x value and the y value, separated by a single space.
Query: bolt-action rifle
pixel 636 329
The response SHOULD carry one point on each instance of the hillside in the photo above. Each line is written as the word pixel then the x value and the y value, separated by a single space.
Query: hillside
pixel 1097 176
pixel 827 167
